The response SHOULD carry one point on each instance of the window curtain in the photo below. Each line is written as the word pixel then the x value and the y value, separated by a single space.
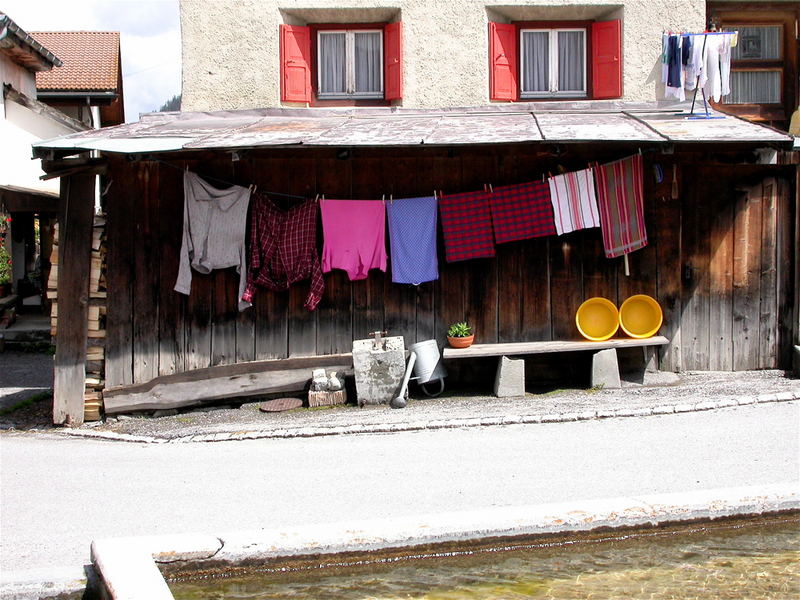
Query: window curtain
pixel 756 87
pixel 332 63
pixel 368 62
pixel 570 61
pixel 536 61
pixel 757 43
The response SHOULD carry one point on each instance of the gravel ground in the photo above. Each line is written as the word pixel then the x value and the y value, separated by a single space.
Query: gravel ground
pixel 688 388
pixel 26 374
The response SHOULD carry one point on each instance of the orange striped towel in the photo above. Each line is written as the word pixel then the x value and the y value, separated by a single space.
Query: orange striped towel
pixel 620 198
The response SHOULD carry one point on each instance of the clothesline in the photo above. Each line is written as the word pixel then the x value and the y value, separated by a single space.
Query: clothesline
pixel 227 183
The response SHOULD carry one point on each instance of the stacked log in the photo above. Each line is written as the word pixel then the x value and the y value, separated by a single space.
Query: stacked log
pixel 96 322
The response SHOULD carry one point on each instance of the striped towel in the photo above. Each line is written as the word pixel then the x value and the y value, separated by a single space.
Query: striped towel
pixel 620 198
pixel 521 211
pixel 466 226
pixel 574 202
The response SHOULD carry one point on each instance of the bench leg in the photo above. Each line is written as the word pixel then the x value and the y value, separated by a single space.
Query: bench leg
pixel 510 379
pixel 605 369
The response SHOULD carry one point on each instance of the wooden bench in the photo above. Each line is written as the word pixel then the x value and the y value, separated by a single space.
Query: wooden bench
pixel 510 379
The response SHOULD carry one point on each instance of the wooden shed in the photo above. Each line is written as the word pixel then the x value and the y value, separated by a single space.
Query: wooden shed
pixel 721 261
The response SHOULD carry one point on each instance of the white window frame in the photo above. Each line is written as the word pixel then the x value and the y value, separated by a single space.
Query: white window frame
pixel 553 92
pixel 350 66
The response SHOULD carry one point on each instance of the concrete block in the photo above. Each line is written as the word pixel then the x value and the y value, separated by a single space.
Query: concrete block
pixel 605 369
pixel 379 371
pixel 510 379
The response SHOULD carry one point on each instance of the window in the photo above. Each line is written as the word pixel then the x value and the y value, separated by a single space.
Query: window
pixel 764 62
pixel 349 63
pixel 756 65
pixel 555 60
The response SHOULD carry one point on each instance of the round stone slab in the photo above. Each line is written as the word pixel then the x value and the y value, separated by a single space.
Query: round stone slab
pixel 280 404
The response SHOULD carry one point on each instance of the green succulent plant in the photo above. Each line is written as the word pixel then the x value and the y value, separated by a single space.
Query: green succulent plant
pixel 458 330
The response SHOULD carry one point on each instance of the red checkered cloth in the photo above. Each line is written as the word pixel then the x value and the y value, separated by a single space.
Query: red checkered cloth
pixel 283 249
pixel 467 226
pixel 522 211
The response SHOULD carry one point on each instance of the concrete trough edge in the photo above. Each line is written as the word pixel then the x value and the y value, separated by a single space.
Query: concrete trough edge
pixel 129 566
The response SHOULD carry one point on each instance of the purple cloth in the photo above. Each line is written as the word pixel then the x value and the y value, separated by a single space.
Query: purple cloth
pixel 412 239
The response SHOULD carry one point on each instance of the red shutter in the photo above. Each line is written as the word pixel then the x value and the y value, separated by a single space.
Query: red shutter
pixel 393 61
pixel 295 63
pixel 502 61
pixel 607 59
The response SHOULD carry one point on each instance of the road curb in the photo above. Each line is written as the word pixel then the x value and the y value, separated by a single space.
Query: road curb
pixel 116 560
pixel 432 424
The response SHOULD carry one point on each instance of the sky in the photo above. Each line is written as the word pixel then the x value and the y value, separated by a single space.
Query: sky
pixel 150 40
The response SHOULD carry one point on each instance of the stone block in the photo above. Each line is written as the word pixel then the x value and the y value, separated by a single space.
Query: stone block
pixel 510 379
pixel 605 369
pixel 378 371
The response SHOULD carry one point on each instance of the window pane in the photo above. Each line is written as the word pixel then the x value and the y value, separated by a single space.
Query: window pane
pixel 332 63
pixel 571 57
pixel 368 62
pixel 757 43
pixel 535 61
pixel 755 87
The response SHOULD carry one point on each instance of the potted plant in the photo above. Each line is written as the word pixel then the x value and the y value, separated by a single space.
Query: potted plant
pixel 460 335
pixel 5 272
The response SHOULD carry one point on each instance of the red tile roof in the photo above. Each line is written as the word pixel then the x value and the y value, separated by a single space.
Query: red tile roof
pixel 91 60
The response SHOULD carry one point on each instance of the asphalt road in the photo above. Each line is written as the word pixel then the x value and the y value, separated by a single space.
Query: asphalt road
pixel 58 494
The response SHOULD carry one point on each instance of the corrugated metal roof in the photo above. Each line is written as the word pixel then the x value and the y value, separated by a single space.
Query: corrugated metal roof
pixel 161 132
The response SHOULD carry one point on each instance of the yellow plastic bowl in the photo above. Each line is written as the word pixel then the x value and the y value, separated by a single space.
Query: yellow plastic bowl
pixel 640 316
pixel 597 319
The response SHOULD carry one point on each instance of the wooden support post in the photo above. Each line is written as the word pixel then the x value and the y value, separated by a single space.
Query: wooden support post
pixel 74 262
pixel 796 318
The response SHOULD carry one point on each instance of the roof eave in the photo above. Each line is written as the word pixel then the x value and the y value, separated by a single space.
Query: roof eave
pixel 13 36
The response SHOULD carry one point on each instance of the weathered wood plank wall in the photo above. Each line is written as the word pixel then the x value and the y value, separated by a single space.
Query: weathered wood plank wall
pixel 720 261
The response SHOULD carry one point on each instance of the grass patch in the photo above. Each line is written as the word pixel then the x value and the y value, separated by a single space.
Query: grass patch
pixel 30 401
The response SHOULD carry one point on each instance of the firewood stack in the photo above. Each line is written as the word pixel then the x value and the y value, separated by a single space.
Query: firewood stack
pixel 96 324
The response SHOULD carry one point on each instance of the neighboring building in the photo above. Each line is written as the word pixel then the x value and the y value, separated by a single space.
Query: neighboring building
pixel 424 54
pixel 765 82
pixel 23 121
pixel 88 87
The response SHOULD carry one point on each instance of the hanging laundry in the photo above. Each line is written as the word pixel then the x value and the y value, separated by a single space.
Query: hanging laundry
pixel 522 211
pixel 620 198
pixel 696 74
pixel 412 240
pixel 574 201
pixel 467 226
pixel 214 223
pixel 355 236
pixel 283 249
pixel 673 49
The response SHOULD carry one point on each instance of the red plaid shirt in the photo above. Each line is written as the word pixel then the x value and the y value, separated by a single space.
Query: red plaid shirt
pixel 283 249
pixel 522 211
pixel 466 226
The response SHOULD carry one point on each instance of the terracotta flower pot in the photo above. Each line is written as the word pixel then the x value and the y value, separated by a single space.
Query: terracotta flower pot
pixel 460 342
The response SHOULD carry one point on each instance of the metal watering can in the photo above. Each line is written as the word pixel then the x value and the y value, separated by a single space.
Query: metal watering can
pixel 425 362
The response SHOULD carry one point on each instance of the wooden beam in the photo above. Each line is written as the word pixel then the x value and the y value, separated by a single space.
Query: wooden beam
pixel 517 348
pixel 218 383
pixel 74 259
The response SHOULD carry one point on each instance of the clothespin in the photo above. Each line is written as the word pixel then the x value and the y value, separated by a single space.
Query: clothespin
pixel 316 198
pixel 484 187
pixel 640 150
pixel 391 199
pixel 383 197
pixel 435 197
pixel 491 191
